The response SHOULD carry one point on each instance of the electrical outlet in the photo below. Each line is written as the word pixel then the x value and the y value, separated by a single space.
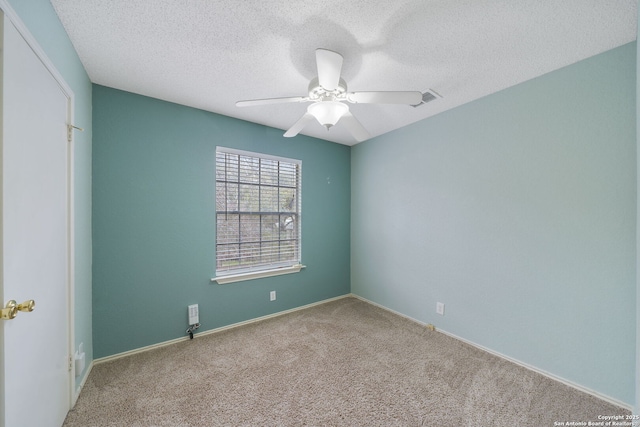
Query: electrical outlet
pixel 272 296
pixel 440 308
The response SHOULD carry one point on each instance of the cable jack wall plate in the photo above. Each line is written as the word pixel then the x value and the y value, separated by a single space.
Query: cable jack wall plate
pixel 194 315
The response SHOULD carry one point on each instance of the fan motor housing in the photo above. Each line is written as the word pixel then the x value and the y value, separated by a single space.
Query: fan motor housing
pixel 317 92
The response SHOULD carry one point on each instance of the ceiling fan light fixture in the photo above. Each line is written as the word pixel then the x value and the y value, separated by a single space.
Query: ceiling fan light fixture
pixel 328 96
pixel 327 113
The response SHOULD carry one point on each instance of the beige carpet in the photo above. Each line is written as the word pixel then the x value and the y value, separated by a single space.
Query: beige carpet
pixel 344 363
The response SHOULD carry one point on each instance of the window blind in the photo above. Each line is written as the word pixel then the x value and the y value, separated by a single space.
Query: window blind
pixel 258 218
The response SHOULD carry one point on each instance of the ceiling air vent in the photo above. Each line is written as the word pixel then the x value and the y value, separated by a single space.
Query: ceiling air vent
pixel 428 96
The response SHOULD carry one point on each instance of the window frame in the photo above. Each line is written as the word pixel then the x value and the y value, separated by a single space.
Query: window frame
pixel 260 270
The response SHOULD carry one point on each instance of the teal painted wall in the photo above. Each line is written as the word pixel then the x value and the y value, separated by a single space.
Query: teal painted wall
pixel 154 221
pixel 518 211
pixel 44 25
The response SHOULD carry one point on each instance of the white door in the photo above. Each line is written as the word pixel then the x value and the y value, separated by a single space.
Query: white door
pixel 35 237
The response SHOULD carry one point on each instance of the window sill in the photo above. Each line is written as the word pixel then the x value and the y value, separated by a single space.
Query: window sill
pixel 223 280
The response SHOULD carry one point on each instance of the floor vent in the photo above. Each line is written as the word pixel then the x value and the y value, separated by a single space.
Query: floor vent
pixel 428 96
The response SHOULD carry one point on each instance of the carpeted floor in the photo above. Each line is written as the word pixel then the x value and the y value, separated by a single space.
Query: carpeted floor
pixel 344 363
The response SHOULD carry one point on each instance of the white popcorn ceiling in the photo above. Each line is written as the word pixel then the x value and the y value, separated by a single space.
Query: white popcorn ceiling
pixel 209 54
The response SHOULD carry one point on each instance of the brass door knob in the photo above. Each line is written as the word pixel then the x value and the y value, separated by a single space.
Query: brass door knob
pixel 10 311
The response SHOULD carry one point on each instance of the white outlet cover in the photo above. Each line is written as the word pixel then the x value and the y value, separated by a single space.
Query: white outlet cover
pixel 440 308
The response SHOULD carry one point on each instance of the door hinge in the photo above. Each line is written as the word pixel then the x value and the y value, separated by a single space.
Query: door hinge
pixel 70 363
pixel 70 129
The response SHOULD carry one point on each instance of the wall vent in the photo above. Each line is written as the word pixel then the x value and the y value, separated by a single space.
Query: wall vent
pixel 428 96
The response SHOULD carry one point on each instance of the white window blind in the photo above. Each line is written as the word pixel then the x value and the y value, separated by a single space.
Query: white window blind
pixel 257 211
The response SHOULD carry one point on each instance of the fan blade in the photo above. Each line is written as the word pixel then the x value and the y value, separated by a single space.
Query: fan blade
pixel 299 125
pixel 355 127
pixel 406 97
pixel 254 102
pixel 329 67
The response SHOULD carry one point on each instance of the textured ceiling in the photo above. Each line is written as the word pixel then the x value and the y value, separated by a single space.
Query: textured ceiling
pixel 209 54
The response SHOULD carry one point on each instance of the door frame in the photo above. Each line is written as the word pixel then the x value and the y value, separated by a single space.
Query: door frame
pixel 10 13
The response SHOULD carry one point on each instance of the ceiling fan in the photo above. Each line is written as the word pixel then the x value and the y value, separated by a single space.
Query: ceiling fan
pixel 328 93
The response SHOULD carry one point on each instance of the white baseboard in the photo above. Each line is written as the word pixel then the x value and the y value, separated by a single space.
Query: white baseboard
pixel 545 373
pixel 79 388
pixel 212 331
pixel 510 359
pixel 281 313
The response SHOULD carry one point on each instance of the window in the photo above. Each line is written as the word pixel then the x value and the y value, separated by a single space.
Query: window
pixel 257 212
